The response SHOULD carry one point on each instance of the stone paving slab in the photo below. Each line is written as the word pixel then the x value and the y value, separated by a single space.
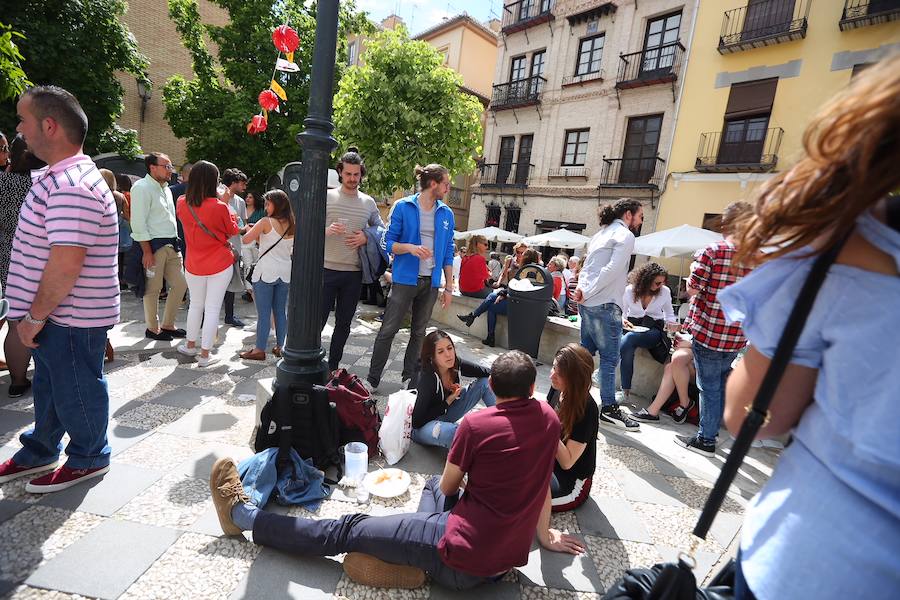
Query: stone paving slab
pixel 104 495
pixel 275 574
pixel 561 571
pixel 10 508
pixel 611 518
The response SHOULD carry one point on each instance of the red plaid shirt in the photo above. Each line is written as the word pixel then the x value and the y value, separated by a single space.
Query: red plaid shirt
pixel 711 272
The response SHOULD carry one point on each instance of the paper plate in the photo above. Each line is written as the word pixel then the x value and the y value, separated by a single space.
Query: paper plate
pixel 638 329
pixel 387 483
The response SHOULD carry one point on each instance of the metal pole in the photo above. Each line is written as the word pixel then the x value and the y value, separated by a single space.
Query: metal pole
pixel 306 185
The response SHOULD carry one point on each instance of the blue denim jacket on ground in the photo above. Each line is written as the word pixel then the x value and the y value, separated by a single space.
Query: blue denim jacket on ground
pixel 404 228
pixel 304 485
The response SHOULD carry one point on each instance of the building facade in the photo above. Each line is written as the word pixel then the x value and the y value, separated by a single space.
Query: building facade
pixel 582 111
pixel 757 74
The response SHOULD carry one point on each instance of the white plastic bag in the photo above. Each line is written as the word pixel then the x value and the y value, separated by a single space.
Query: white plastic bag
pixel 396 427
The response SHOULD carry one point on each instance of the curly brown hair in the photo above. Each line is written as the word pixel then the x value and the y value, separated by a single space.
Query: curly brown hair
pixel 641 279
pixel 852 152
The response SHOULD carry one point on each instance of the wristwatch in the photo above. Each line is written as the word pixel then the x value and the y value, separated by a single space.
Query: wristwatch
pixel 31 320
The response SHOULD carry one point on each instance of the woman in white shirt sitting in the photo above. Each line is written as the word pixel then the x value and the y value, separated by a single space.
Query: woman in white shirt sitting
pixel 646 316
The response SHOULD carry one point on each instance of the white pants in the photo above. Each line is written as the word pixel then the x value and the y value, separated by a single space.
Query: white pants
pixel 207 293
pixel 249 256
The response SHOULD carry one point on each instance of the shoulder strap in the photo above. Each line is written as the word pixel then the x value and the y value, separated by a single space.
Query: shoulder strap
pixel 273 245
pixel 200 223
pixel 759 411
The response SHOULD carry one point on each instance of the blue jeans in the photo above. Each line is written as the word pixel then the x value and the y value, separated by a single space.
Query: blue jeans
pixel 269 298
pixel 601 330
pixel 742 591
pixel 631 341
pixel 70 396
pixel 713 368
pixel 440 432
pixel 402 539
pixel 492 308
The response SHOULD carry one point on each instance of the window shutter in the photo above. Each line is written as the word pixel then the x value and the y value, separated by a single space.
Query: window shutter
pixel 751 98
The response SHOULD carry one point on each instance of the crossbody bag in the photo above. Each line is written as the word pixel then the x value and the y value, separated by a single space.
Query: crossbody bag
pixel 253 266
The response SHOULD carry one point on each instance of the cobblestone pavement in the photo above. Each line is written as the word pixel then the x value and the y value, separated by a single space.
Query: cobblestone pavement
pixel 148 528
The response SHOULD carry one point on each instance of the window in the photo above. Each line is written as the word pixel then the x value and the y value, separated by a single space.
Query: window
pixel 351 53
pixel 590 50
pixel 659 44
pixel 504 166
pixel 537 70
pixel 767 17
pixel 517 69
pixel 746 122
pixel 523 162
pixel 575 151
pixel 641 149
pixel 525 9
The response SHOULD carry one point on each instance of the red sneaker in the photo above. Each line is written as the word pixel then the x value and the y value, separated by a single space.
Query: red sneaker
pixel 62 478
pixel 10 470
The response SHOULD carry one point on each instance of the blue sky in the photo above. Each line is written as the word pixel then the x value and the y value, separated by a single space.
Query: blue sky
pixel 419 15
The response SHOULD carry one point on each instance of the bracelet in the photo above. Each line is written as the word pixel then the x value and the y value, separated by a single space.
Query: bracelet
pixel 31 320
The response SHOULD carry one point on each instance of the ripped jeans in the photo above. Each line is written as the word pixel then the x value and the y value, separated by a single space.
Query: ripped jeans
pixel 440 432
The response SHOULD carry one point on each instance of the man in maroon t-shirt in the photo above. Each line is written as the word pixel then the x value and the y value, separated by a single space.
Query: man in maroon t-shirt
pixel 460 539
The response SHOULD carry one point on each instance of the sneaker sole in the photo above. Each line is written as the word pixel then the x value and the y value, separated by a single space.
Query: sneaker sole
pixel 185 353
pixel 365 569
pixel 695 449
pixel 225 521
pixel 58 487
pixel 31 471
pixel 618 426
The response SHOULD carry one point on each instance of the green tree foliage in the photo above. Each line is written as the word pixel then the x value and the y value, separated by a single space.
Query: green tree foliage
pixel 212 110
pixel 403 108
pixel 78 45
pixel 13 80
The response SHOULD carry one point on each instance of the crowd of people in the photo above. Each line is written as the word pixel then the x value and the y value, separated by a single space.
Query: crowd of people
pixel 63 221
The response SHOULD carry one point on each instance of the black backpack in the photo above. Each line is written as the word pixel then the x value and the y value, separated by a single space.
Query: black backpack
pixel 302 417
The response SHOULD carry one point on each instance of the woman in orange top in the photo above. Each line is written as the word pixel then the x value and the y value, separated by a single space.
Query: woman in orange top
pixel 207 226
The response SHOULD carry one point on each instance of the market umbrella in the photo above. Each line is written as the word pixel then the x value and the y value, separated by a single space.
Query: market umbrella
pixel 493 234
pixel 561 238
pixel 683 240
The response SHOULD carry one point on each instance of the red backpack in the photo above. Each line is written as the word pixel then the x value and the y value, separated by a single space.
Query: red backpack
pixel 356 410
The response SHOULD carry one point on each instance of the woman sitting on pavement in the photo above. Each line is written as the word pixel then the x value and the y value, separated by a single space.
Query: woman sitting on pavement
pixel 647 314
pixel 272 274
pixel 474 273
pixel 495 303
pixel 677 375
pixel 576 456
pixel 440 400
pixel 208 264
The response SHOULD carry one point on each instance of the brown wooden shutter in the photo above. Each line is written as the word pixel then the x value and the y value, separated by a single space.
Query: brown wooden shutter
pixel 751 98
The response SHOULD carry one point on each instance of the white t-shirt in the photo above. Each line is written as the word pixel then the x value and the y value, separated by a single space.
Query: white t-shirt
pixel 660 306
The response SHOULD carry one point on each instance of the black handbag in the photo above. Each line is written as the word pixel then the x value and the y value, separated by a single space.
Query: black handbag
pixel 676 581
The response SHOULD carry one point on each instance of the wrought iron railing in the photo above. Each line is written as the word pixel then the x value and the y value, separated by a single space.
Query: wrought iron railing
pixel 504 174
pixel 569 172
pixel 859 13
pixel 518 93
pixel 633 172
pixel 763 24
pixel 650 65
pixel 524 13
pixel 576 79
pixel 739 150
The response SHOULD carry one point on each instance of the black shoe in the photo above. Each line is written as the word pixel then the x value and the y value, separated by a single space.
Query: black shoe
pixel 488 341
pixel 467 319
pixel 612 416
pixel 17 391
pixel 162 336
pixel 234 322
pixel 247 297
pixel 681 413
pixel 176 333
pixel 695 444
pixel 644 415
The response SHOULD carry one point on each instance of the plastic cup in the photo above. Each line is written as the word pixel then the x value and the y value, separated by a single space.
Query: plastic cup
pixel 356 460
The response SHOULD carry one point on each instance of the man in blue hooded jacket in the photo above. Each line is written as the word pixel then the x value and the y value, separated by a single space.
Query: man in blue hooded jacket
pixel 420 236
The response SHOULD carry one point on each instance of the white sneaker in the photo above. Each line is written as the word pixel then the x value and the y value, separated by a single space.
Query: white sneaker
pixel 369 387
pixel 183 349
pixel 205 361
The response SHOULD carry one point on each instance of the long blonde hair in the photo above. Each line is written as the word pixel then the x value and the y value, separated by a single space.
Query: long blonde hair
pixel 472 246
pixel 852 161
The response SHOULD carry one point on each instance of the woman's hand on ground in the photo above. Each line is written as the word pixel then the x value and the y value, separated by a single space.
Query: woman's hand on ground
pixel 557 541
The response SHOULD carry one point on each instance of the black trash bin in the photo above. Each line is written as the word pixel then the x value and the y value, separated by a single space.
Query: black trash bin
pixel 530 292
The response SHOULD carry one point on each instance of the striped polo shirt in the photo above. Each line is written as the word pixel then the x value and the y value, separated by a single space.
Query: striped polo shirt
pixel 68 205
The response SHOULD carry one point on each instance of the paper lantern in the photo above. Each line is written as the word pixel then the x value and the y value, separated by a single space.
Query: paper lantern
pixel 257 124
pixel 268 99
pixel 285 38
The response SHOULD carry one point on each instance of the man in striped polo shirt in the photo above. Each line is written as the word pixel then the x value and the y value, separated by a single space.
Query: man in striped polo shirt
pixel 63 289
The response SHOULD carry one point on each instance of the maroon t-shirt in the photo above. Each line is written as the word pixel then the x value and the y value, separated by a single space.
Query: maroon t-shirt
pixel 508 453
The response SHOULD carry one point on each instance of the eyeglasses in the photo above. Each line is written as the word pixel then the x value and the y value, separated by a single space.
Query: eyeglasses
pixel 167 167
pixel 4 149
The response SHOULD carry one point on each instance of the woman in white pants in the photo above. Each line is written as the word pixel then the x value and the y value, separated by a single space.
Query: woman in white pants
pixel 208 223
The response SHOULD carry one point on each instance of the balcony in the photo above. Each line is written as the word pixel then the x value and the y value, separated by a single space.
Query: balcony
pixel 861 13
pixel 504 175
pixel 649 66
pixel 763 24
pixel 584 78
pixel 641 173
pixel 569 173
pixel 745 152
pixel 524 92
pixel 523 14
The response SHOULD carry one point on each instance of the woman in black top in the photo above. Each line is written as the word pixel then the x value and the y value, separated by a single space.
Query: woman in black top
pixel 576 454
pixel 440 400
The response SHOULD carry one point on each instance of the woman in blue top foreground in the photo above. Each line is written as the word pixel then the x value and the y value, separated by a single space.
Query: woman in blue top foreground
pixel 827 523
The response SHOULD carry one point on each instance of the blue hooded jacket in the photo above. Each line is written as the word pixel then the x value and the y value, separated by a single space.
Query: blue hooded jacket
pixel 404 228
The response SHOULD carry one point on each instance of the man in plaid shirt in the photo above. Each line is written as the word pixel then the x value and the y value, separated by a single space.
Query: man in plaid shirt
pixel 715 343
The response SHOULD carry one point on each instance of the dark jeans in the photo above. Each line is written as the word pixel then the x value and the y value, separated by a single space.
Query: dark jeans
pixel 343 287
pixel 420 299
pixel 492 308
pixel 631 341
pixel 482 293
pixel 405 539
pixel 228 303
pixel 70 396
pixel 713 368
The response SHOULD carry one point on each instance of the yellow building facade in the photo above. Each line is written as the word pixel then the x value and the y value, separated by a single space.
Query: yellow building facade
pixel 755 76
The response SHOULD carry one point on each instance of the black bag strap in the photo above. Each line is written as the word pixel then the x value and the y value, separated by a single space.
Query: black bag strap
pixel 273 245
pixel 758 413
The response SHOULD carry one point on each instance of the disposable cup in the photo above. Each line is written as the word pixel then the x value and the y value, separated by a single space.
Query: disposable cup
pixel 356 460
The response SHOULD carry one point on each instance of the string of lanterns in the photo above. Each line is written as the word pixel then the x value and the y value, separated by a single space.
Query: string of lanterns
pixel 286 41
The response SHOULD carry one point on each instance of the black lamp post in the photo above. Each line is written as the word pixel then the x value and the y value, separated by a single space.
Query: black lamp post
pixel 306 186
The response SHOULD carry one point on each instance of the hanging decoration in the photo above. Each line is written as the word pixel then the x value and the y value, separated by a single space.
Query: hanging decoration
pixel 286 41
